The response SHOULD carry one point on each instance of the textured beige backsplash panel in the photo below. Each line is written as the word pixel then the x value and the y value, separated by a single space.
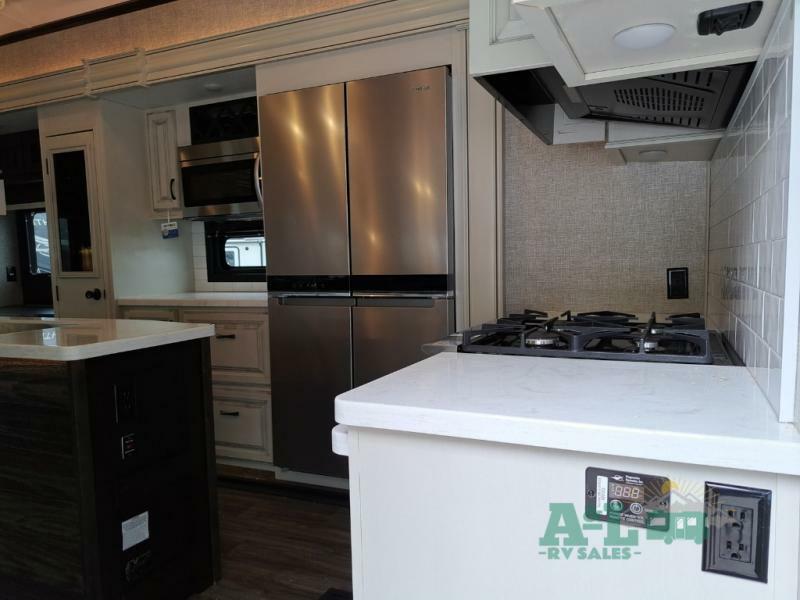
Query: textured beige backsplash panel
pixel 584 234
pixel 172 23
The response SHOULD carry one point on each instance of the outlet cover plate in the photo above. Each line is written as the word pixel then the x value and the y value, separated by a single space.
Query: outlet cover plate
pixel 737 531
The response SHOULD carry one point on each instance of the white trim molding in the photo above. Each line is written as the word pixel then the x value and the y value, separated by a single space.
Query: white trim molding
pixel 381 19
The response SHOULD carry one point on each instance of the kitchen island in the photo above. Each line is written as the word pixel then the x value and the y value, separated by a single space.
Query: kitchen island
pixel 468 471
pixel 107 480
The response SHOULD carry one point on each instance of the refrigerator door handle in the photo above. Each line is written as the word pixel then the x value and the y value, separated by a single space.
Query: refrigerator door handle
pixel 384 302
pixel 315 301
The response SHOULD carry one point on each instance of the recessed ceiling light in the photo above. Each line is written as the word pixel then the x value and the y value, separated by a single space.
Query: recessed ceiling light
pixel 652 154
pixel 209 87
pixel 644 36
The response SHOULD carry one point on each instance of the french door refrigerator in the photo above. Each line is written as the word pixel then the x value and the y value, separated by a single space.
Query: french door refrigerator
pixel 358 216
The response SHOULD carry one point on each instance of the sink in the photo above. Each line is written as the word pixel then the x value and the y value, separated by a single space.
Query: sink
pixel 20 327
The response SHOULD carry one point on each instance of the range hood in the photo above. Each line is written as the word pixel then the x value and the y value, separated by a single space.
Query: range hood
pixel 698 99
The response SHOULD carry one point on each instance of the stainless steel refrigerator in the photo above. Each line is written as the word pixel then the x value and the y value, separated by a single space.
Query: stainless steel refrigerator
pixel 358 217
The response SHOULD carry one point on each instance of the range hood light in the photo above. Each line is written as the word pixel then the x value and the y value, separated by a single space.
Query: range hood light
pixel 652 154
pixel 644 36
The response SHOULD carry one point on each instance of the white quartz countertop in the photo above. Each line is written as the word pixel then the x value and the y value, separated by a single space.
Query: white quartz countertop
pixel 696 414
pixel 78 339
pixel 206 299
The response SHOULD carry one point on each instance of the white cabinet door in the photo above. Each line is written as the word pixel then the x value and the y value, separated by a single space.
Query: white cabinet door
pixel 499 40
pixel 162 154
pixel 76 246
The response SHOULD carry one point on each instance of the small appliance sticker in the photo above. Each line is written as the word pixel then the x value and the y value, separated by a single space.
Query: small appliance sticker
pixel 135 530
pixel 169 230
pixel 602 495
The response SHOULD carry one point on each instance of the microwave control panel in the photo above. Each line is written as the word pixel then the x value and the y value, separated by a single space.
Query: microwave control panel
pixel 631 499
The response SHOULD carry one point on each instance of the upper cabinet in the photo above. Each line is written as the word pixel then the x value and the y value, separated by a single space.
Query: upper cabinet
pixel 499 40
pixel 162 154
pixel 580 37
pixel 21 169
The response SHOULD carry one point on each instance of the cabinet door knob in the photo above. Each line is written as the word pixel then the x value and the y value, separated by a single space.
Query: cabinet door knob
pixel 94 294
pixel 172 188
pixel 226 336
pixel 229 413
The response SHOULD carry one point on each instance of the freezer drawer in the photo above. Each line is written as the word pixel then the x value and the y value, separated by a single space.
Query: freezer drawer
pixel 399 165
pixel 305 181
pixel 388 333
pixel 310 352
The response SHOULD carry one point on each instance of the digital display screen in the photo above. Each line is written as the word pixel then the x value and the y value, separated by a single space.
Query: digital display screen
pixel 626 492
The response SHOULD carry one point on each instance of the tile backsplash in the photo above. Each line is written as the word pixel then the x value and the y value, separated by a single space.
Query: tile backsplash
pixel 584 233
pixel 201 282
pixel 748 197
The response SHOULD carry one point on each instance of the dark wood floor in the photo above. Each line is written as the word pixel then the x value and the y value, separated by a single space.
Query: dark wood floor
pixel 281 543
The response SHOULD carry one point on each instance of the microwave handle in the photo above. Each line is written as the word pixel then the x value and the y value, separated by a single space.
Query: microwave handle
pixel 257 179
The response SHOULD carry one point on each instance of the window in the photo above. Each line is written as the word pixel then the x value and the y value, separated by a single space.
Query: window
pixel 38 242
pixel 236 251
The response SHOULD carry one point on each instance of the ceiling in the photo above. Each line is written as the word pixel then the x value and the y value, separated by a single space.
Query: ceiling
pixel 19 15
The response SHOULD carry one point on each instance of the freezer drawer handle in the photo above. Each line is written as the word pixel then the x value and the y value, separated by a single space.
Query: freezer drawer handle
pixel 226 336
pixel 229 413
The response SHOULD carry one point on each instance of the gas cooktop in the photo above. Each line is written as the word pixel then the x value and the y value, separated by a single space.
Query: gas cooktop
pixel 602 334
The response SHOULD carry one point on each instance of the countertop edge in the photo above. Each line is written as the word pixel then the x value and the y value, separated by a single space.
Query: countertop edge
pixel 766 456
pixel 95 350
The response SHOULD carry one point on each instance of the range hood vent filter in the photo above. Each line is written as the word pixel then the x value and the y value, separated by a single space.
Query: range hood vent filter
pixel 699 98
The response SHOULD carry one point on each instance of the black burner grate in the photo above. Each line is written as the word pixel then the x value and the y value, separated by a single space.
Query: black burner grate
pixel 598 334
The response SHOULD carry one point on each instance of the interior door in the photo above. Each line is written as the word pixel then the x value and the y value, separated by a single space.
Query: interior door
pixel 76 251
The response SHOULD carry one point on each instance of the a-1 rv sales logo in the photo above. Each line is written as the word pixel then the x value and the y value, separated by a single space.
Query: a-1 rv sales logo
pixel 569 535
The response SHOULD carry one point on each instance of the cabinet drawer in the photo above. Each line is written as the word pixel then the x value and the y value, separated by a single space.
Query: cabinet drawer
pixel 236 346
pixel 242 425
pixel 149 314
pixel 243 422
pixel 240 347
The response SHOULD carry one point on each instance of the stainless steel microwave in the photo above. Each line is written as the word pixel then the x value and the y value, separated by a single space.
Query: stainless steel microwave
pixel 221 178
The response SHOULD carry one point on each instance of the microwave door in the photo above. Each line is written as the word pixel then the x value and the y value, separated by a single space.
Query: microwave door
pixel 220 186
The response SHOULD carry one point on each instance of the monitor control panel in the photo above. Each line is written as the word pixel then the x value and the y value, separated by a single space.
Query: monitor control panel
pixel 631 499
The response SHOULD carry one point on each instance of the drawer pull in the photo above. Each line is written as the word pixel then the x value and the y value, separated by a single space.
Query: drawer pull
pixel 229 413
pixel 226 336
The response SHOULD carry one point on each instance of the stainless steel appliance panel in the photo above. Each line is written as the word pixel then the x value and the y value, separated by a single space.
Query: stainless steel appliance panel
pixel 398 146
pixel 310 365
pixel 305 181
pixel 388 333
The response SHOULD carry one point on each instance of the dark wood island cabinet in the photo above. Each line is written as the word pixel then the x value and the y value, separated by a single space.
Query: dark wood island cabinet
pixel 107 480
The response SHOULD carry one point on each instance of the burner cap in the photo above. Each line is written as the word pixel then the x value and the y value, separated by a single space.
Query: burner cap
pixel 653 330
pixel 542 338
